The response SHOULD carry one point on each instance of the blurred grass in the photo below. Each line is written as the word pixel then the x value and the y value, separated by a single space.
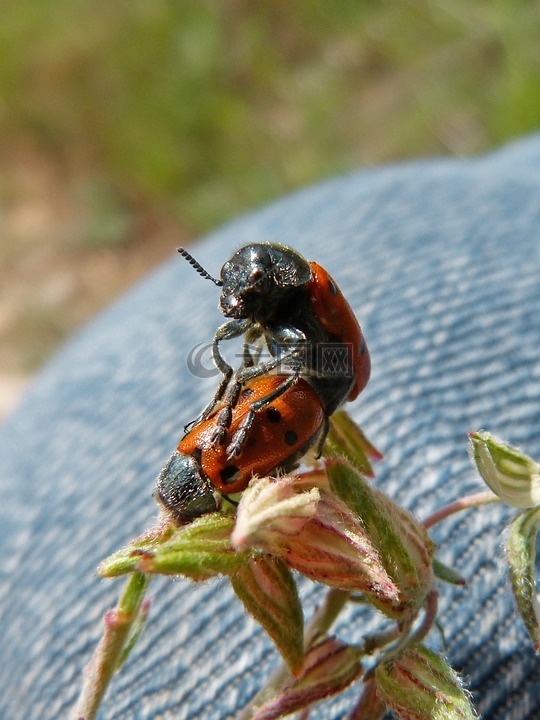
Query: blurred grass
pixel 129 125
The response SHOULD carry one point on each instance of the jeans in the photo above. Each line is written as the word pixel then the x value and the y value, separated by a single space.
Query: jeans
pixel 440 260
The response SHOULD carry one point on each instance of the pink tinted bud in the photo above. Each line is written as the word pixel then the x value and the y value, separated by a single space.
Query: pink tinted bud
pixel 318 535
pixel 420 685
pixel 271 509
pixel 330 666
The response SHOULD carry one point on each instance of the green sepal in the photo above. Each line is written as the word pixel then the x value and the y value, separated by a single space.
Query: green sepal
pixel 126 559
pixel 198 551
pixel 266 587
pixel 363 500
pixel 447 574
pixel 346 440
pixel 420 685
pixel 521 552
pixel 401 541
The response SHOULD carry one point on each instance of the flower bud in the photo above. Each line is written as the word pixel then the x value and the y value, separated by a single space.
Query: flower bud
pixel 267 589
pixel 330 666
pixel 317 535
pixel 334 548
pixel 513 476
pixel 420 685
pixel 400 540
pixel 270 509
pixel 370 706
pixel 198 551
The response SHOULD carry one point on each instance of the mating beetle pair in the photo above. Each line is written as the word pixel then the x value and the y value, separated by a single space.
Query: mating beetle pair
pixel 258 422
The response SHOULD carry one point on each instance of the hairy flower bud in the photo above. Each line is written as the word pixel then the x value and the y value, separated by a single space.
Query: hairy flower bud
pixel 370 706
pixel 400 540
pixel 512 475
pixel 317 535
pixel 267 589
pixel 420 685
pixel 330 666
pixel 198 551
pixel 271 509
pixel 521 555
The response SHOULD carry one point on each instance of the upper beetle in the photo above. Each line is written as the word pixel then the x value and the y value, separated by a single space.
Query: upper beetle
pixel 272 293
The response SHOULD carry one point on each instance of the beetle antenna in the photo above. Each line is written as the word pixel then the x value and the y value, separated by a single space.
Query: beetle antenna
pixel 198 267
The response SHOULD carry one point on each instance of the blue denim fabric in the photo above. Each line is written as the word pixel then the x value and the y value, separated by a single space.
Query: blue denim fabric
pixel 440 259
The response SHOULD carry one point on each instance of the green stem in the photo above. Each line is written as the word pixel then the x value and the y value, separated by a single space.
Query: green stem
pixel 464 503
pixel 326 615
pixel 321 622
pixel 372 643
pixel 105 660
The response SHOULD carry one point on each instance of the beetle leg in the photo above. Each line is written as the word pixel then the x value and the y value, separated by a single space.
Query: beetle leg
pixel 227 331
pixel 237 444
pixel 289 359
pixel 232 384
pixel 224 418
pixel 208 409
pixel 251 352
pixel 322 437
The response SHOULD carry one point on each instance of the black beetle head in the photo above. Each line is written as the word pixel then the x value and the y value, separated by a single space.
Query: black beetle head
pixel 257 278
pixel 183 490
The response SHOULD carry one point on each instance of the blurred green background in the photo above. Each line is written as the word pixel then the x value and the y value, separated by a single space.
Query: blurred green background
pixel 129 126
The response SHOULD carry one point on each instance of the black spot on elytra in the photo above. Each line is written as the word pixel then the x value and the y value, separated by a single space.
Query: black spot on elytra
pixel 362 346
pixel 333 287
pixel 229 474
pixel 291 438
pixel 273 414
pixel 247 392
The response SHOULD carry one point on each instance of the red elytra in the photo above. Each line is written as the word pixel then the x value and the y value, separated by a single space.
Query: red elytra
pixel 336 316
pixel 280 435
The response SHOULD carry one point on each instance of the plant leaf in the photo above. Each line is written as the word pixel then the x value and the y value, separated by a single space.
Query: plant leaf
pixel 124 561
